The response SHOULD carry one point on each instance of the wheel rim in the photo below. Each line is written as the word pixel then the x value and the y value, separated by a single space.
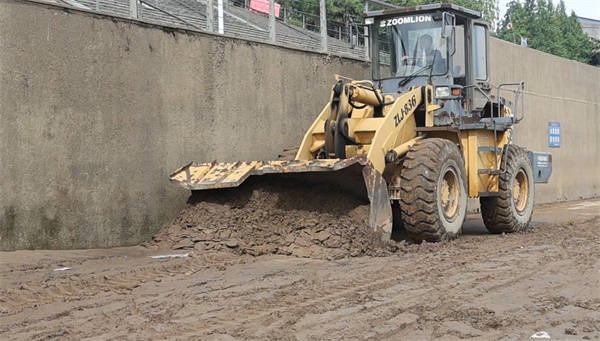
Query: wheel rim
pixel 520 191
pixel 449 193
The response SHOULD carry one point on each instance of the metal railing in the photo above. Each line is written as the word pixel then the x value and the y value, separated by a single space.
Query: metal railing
pixel 310 30
pixel 518 99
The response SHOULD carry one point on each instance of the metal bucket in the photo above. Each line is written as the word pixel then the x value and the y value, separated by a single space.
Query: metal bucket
pixel 345 173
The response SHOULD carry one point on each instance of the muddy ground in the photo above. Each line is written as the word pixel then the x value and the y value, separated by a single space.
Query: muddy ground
pixel 481 286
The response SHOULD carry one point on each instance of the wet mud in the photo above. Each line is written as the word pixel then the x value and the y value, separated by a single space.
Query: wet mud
pixel 276 215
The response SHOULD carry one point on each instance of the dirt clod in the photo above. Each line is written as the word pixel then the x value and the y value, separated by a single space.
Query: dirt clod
pixel 570 331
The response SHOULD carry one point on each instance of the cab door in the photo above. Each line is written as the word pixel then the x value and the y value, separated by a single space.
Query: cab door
pixel 479 75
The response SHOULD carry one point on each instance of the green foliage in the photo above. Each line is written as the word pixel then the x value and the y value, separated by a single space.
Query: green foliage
pixel 297 9
pixel 547 28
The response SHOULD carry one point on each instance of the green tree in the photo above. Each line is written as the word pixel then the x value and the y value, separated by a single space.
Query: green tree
pixel 547 28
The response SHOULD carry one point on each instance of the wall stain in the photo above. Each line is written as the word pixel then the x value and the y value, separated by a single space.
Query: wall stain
pixel 49 230
pixel 8 228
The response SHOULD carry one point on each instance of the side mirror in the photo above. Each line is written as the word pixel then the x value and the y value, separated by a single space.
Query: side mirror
pixel 452 43
pixel 448 32
pixel 448 20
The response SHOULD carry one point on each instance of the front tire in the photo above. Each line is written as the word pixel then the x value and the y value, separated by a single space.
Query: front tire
pixel 512 209
pixel 433 190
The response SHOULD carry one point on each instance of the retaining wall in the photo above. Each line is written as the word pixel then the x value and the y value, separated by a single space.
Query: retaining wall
pixel 563 91
pixel 96 111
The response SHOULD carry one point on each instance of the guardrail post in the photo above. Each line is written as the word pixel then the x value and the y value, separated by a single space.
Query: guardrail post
pixel 272 33
pixel 133 9
pixel 210 16
pixel 323 29
pixel 220 16
pixel 366 37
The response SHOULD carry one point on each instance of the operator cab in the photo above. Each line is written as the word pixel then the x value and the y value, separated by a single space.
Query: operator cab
pixel 444 43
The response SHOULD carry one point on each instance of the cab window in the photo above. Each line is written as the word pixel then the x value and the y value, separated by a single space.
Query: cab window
pixel 479 55
pixel 458 69
pixel 410 46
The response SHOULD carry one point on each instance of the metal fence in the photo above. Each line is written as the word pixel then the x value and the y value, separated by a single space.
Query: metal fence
pixel 309 29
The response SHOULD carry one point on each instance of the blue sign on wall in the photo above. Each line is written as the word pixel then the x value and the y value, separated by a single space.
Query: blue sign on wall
pixel 553 134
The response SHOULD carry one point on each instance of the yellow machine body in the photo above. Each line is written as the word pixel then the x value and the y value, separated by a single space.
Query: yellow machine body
pixel 396 131
pixel 380 126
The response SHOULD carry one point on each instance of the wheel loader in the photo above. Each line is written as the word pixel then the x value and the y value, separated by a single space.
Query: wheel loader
pixel 427 133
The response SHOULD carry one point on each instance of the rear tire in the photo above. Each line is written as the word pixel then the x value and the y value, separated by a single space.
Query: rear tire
pixel 511 211
pixel 433 190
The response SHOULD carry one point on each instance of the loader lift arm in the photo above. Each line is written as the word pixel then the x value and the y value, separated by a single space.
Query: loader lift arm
pixel 352 113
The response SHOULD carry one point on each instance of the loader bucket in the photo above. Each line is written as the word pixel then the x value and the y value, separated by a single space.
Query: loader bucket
pixel 344 173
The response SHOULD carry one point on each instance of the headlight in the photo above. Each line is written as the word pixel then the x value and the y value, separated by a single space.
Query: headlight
pixel 442 91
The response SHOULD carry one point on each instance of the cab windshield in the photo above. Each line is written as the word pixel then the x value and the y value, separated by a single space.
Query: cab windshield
pixel 410 46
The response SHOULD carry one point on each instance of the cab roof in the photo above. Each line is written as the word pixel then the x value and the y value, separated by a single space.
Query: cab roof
pixel 446 7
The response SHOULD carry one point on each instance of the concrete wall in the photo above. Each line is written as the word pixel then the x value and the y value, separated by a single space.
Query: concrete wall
pixel 95 112
pixel 557 90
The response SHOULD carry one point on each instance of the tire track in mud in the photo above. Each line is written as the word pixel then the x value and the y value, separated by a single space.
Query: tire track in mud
pixel 294 301
pixel 281 291
pixel 331 300
pixel 342 291
pixel 453 289
pixel 333 294
pixel 334 298
pixel 52 287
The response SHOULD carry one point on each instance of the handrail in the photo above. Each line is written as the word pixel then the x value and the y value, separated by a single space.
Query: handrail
pixel 518 93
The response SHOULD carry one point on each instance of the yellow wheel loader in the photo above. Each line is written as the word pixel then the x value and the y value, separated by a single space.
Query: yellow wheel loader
pixel 425 134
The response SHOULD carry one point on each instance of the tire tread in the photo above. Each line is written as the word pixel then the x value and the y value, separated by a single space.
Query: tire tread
pixel 419 176
pixel 497 211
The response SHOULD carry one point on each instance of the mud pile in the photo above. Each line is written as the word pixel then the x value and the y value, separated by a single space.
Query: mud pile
pixel 273 215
